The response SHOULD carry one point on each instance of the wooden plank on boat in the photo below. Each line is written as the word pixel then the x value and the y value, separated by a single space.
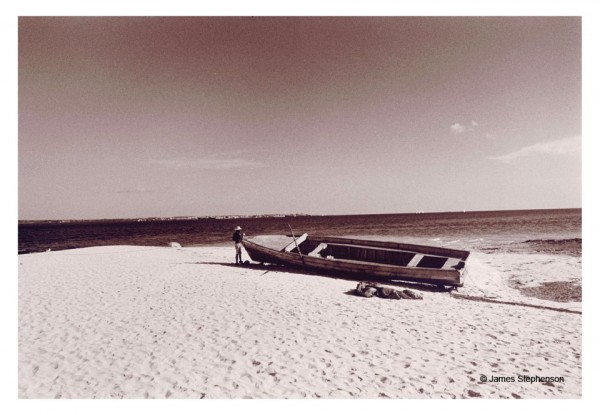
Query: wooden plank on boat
pixel 415 260
pixel 445 276
pixel 376 248
pixel 319 248
pixel 452 262
pixel 292 245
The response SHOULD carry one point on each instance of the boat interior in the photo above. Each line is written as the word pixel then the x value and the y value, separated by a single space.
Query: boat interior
pixel 385 256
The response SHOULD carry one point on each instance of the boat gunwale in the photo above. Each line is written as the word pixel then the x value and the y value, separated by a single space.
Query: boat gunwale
pixel 396 246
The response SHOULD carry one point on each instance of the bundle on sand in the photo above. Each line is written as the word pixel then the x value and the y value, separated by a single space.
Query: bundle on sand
pixel 370 289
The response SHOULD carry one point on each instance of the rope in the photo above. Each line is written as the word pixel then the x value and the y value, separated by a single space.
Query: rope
pixel 472 281
pixel 489 300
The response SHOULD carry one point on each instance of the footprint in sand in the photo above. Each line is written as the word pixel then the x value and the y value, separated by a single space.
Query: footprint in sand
pixel 473 394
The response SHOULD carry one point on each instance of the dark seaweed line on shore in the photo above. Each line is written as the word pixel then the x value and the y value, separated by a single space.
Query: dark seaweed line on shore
pixel 553 241
pixel 489 300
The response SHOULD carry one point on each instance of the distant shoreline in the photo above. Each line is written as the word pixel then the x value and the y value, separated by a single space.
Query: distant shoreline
pixel 262 216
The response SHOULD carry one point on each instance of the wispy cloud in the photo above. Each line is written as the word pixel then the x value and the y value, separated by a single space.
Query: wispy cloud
pixel 458 128
pixel 564 146
pixel 222 161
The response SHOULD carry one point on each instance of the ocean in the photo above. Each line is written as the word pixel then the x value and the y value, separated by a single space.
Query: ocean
pixel 519 231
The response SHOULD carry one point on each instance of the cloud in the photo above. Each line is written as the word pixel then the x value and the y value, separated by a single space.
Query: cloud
pixel 564 146
pixel 207 163
pixel 458 128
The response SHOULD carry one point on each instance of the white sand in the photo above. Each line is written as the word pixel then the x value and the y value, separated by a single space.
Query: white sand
pixel 490 276
pixel 135 322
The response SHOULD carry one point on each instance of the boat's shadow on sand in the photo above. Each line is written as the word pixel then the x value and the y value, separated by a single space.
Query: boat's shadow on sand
pixel 288 270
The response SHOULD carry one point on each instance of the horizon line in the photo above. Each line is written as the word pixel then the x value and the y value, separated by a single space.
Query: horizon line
pixel 272 215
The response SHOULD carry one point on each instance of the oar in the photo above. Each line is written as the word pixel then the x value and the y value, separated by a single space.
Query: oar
pixel 296 242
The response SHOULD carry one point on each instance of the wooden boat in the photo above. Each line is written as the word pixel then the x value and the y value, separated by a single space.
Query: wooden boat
pixel 388 261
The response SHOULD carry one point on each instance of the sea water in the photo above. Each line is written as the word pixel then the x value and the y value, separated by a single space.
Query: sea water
pixel 522 231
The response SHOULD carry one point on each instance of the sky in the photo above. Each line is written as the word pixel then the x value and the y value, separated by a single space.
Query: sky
pixel 125 117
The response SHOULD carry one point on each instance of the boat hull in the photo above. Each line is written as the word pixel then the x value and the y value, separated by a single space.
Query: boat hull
pixel 364 269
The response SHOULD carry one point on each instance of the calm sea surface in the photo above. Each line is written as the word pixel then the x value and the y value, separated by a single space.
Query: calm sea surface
pixel 547 231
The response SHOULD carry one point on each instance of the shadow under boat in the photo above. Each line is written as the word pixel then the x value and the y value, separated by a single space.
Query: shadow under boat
pixel 330 274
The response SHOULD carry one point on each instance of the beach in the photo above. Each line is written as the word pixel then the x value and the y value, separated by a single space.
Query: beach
pixel 170 322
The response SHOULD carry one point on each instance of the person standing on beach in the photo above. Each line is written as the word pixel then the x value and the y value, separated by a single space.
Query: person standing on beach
pixel 237 237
